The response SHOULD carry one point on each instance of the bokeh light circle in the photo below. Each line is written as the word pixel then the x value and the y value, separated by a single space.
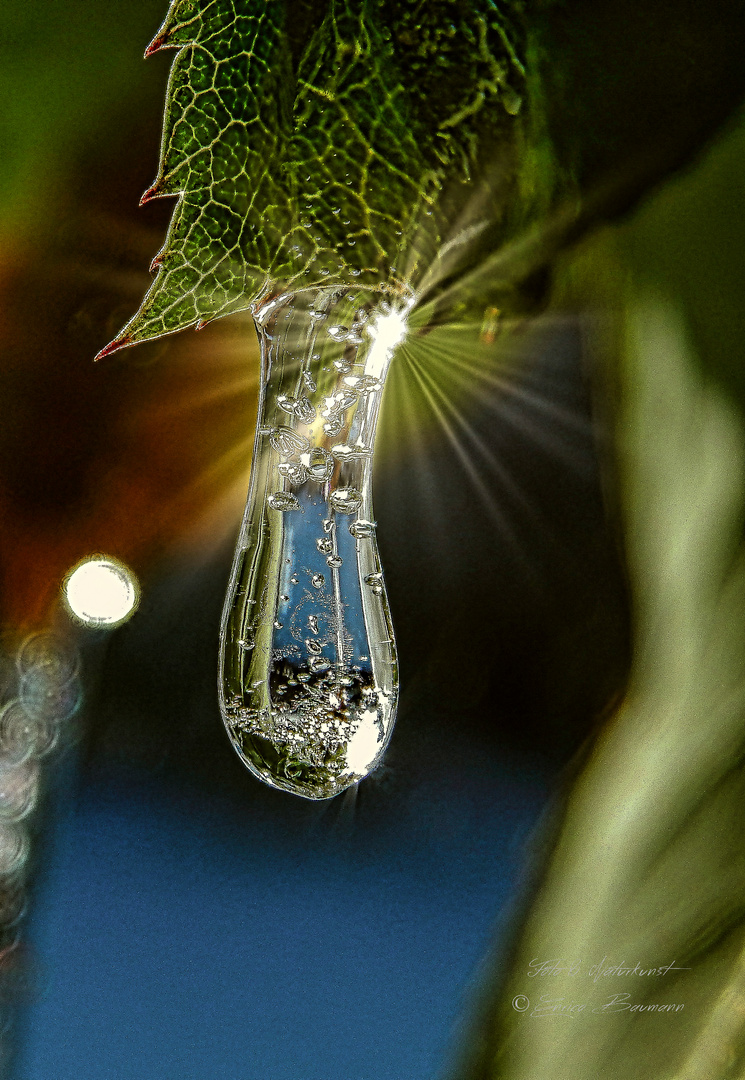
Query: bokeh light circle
pixel 101 592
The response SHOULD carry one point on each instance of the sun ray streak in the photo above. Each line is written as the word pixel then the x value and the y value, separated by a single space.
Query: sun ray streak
pixel 442 405
pixel 481 488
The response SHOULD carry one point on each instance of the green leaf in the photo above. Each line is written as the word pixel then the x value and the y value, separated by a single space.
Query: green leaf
pixel 394 131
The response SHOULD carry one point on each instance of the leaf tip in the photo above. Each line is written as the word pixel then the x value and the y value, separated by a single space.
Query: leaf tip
pixel 113 346
pixel 160 41
pixel 151 193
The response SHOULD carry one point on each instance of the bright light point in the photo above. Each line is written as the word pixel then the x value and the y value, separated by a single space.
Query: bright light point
pixel 390 330
pixel 387 331
pixel 363 747
pixel 101 592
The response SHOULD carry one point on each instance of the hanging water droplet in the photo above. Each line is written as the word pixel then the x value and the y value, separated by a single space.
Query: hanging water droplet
pixel 312 717
pixel 283 500
pixel 248 640
pixel 362 529
pixel 345 500
pixel 309 382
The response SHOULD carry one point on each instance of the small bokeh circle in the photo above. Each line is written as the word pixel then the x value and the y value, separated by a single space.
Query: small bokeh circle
pixel 100 591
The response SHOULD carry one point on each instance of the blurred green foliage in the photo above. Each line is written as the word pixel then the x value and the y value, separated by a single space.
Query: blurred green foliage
pixel 66 70
pixel 647 866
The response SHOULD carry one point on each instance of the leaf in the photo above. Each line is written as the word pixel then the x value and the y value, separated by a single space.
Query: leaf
pixel 349 165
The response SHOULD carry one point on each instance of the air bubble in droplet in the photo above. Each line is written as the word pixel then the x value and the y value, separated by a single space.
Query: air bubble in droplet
pixel 344 452
pixel 362 529
pixel 283 500
pixel 318 581
pixel 334 561
pixel 333 425
pixel 338 333
pixel 318 664
pixel 319 464
pixel 345 500
pixel 312 646
pixel 286 441
pixel 324 545
pixel 344 399
pixel 295 473
pixel 363 384
pixel 304 411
